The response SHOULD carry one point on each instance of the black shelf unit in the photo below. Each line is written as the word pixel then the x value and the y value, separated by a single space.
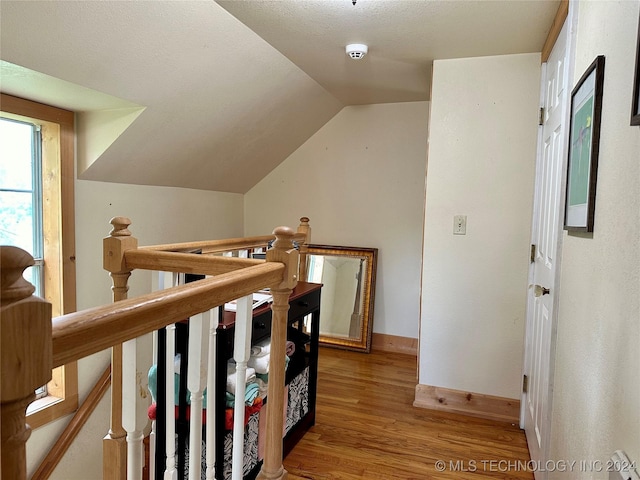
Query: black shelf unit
pixel 304 304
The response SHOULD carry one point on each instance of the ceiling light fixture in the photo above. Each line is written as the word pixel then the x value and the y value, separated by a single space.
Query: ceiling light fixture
pixel 357 50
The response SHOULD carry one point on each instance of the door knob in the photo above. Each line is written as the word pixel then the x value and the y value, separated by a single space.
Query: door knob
pixel 539 290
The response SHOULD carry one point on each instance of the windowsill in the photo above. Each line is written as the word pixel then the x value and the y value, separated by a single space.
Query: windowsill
pixel 62 399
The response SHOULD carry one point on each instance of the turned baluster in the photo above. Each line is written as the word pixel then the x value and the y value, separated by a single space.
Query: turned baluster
pixel 241 350
pixel 114 447
pixel 25 357
pixel 282 251
pixel 211 398
pixel 196 384
pixel 305 229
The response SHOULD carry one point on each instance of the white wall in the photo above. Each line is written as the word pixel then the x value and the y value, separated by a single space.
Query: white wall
pixel 482 147
pixel 596 405
pixel 360 179
pixel 159 215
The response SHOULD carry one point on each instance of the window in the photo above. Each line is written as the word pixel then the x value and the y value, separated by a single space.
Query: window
pixel 37 214
pixel 21 193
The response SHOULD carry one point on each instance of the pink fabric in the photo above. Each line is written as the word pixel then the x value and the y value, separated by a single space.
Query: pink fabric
pixel 290 348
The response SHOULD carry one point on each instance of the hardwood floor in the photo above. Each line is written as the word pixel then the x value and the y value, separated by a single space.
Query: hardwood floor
pixel 367 428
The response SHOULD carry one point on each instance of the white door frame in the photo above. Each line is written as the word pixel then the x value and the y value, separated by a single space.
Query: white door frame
pixel 571 23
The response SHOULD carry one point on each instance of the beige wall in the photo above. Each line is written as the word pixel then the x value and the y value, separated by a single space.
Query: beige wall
pixel 159 215
pixel 360 179
pixel 596 405
pixel 482 150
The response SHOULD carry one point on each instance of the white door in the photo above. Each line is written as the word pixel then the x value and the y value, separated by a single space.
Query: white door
pixel 546 236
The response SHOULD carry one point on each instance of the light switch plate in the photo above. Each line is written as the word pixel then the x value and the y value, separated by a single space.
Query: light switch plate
pixel 459 224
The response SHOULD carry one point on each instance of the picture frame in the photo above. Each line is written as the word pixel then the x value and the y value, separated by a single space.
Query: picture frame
pixel 584 145
pixel 635 100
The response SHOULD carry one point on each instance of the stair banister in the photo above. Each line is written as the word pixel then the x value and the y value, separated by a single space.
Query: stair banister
pixel 80 334
pixel 282 251
pixel 32 343
pixel 303 237
pixel 114 445
pixel 25 356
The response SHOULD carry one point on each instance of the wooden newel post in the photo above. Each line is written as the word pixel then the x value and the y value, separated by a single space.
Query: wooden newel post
pixel 114 446
pixel 282 251
pixel 25 356
pixel 305 229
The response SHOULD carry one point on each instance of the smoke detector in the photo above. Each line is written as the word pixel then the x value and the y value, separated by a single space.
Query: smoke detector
pixel 357 50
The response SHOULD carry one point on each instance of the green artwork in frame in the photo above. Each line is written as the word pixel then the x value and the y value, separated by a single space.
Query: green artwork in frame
pixel 580 153
pixel 584 145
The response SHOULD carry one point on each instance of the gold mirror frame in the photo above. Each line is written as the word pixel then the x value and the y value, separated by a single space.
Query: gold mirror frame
pixel 359 338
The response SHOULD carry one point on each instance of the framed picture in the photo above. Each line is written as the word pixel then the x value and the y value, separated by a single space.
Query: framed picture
pixel 584 143
pixel 635 101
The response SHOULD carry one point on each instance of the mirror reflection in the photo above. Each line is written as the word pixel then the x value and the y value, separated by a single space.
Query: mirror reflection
pixel 348 278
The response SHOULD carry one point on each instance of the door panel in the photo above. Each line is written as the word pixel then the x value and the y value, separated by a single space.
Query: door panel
pixel 546 230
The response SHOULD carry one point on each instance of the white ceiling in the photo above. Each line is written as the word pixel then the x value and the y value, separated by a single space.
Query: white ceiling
pixel 220 93
pixel 403 36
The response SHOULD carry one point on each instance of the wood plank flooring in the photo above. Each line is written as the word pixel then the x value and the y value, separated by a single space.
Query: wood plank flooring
pixel 367 428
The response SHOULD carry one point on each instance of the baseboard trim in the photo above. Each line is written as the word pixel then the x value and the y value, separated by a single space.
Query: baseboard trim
pixel 394 344
pixel 467 403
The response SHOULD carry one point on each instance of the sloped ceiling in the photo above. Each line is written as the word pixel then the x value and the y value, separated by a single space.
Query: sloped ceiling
pixel 215 98
pixel 223 107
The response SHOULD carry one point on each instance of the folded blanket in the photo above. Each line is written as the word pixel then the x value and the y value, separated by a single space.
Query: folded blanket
pixel 153 387
pixel 259 364
pixel 264 377
pixel 263 386
pixel 251 393
pixel 152 413
pixel 250 376
pixel 262 348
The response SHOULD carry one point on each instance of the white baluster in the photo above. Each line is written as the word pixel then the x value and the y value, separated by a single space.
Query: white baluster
pixel 152 433
pixel 159 281
pixel 152 449
pixel 196 378
pixel 210 437
pixel 171 473
pixel 241 349
pixel 132 421
pixel 243 254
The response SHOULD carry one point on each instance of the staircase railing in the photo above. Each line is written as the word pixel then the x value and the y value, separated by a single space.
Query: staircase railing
pixel 32 343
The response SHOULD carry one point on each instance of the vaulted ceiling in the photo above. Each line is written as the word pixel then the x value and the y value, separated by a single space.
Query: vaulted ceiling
pixel 214 96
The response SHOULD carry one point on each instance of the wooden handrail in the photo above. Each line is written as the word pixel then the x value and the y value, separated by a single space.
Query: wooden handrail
pixel 218 246
pixel 71 431
pixel 77 335
pixel 147 259
pixel 32 343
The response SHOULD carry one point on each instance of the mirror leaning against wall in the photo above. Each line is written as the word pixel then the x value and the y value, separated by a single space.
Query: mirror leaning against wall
pixel 348 275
